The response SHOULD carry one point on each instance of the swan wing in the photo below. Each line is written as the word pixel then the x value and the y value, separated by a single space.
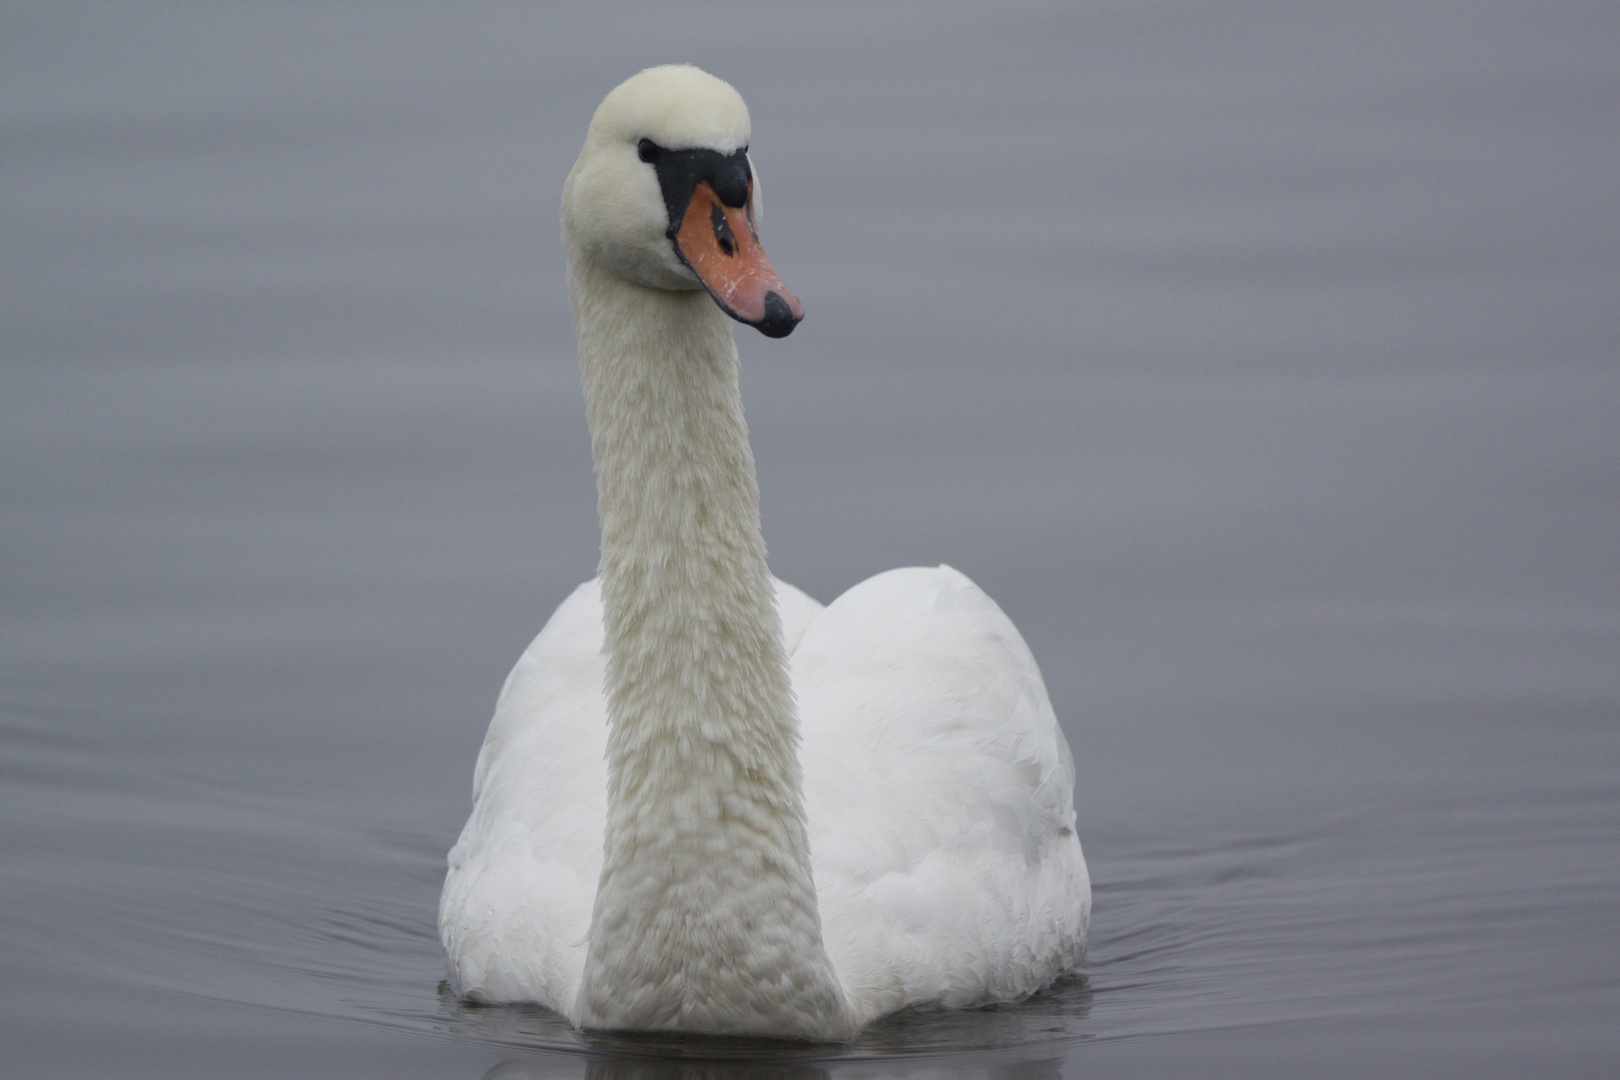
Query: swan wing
pixel 517 900
pixel 939 792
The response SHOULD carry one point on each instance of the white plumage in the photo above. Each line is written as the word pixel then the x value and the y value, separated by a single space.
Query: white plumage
pixel 697 870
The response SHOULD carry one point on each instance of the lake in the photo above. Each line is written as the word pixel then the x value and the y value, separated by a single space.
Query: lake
pixel 1260 360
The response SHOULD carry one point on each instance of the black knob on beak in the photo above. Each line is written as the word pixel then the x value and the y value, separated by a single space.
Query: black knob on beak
pixel 778 321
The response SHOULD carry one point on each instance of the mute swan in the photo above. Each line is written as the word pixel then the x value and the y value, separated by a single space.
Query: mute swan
pixel 659 839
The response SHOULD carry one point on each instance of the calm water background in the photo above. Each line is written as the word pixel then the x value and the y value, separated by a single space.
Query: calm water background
pixel 1260 359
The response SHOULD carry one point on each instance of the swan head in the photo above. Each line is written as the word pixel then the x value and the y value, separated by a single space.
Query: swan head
pixel 664 195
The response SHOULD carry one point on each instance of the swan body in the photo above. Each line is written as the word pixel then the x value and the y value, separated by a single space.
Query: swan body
pixel 707 803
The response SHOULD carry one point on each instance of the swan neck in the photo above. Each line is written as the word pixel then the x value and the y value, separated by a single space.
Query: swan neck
pixel 705 916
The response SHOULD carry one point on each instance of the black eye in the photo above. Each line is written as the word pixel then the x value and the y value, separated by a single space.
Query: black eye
pixel 648 151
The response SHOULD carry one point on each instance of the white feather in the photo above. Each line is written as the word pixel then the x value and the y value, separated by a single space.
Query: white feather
pixel 659 837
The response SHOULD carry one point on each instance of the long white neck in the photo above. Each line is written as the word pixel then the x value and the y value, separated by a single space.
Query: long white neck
pixel 705 916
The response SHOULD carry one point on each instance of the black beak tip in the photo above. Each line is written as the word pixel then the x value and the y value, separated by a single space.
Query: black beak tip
pixel 779 320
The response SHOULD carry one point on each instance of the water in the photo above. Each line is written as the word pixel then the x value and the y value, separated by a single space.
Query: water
pixel 1259 361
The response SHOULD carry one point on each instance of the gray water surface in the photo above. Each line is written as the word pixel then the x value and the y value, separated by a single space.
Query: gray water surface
pixel 1261 361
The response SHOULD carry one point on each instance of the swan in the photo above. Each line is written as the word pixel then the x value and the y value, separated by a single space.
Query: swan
pixel 707 803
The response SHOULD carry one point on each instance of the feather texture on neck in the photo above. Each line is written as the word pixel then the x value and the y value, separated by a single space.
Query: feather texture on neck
pixel 705 916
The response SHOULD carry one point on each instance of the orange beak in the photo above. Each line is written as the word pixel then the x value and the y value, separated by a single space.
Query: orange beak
pixel 720 246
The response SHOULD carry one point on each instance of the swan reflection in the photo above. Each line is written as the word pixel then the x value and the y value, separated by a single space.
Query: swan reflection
pixel 1025 1041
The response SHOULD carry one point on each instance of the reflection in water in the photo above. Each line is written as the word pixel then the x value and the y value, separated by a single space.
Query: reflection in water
pixel 556 1067
pixel 1022 1041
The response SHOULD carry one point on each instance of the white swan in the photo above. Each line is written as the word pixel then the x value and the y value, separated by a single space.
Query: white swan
pixel 646 850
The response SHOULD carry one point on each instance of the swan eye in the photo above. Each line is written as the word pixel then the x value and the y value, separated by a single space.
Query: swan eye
pixel 648 151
